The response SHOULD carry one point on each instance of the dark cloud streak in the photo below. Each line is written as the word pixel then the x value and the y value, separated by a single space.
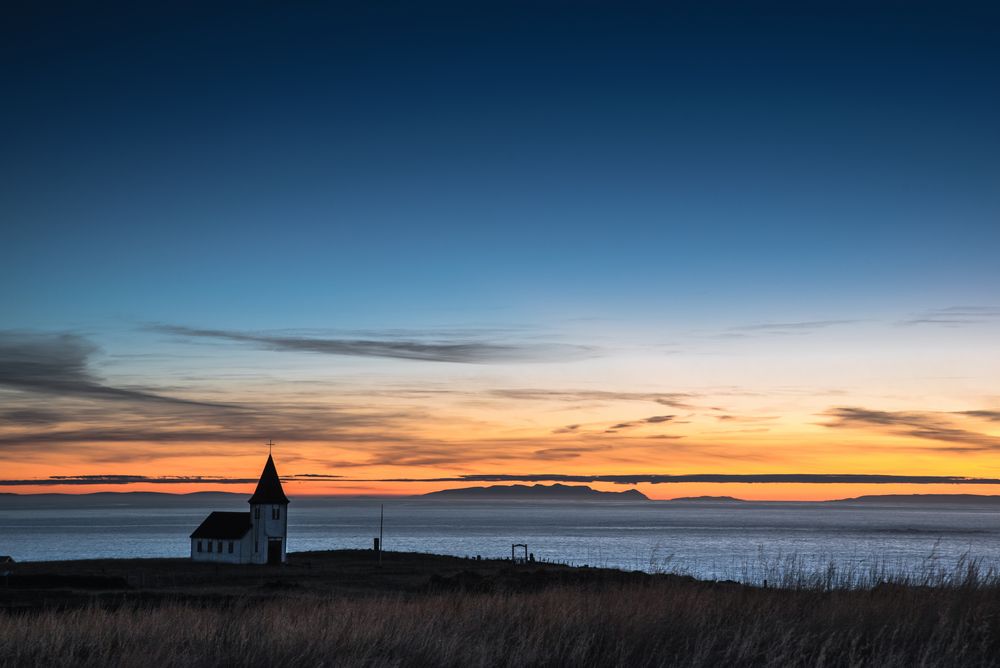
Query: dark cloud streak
pixel 671 399
pixel 991 416
pixel 625 479
pixel 790 327
pixel 656 419
pixel 461 352
pixel 57 365
pixel 956 316
pixel 917 424
pixel 659 479
pixel 118 479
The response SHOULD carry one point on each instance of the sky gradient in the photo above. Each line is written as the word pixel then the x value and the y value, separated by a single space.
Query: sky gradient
pixel 413 244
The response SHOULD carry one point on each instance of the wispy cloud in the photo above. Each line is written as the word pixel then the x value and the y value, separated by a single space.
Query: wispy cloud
pixel 656 419
pixel 797 327
pixel 88 416
pixel 727 417
pixel 30 416
pixel 543 394
pixel 430 350
pixel 57 364
pixel 672 399
pixel 110 432
pixel 918 424
pixel 956 316
pixel 991 416
pixel 562 453
pixel 277 425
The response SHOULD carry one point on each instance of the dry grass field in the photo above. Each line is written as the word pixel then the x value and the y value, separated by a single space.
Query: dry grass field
pixel 494 617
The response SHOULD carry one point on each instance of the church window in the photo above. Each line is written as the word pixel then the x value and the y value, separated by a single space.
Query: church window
pixel 256 513
pixel 219 546
pixel 209 546
pixel 199 546
pixel 230 547
pixel 276 513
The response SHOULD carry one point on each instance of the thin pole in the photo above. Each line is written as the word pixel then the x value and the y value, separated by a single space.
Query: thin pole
pixel 381 516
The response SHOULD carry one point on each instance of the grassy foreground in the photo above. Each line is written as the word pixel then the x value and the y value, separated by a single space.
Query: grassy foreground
pixel 465 617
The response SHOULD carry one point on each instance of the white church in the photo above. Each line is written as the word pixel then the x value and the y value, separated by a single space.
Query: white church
pixel 256 537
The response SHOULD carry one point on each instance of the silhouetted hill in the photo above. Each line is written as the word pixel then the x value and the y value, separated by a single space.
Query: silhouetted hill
pixel 552 492
pixel 924 499
pixel 509 492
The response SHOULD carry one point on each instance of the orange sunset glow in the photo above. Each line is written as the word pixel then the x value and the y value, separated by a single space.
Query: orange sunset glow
pixel 406 427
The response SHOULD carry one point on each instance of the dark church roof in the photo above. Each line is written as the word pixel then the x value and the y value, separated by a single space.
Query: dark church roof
pixel 224 526
pixel 269 486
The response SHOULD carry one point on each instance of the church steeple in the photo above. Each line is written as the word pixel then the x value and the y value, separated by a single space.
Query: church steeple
pixel 269 489
pixel 256 537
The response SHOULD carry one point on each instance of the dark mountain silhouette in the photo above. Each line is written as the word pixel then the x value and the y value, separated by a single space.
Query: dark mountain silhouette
pixel 552 492
pixel 512 492
pixel 924 499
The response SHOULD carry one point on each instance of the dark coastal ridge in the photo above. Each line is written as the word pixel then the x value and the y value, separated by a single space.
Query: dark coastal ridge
pixel 552 492
pixel 536 492
pixel 557 492
pixel 924 499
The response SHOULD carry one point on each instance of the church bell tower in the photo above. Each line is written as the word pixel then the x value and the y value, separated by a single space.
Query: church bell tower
pixel 269 518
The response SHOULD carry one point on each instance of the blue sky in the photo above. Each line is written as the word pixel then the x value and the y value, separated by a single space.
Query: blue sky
pixel 400 161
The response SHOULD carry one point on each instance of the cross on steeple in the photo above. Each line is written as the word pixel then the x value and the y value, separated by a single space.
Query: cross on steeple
pixel 269 446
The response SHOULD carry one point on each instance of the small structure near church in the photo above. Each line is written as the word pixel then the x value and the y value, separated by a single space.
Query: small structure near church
pixel 256 537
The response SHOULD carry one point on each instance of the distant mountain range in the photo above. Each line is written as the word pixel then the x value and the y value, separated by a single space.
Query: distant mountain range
pixel 873 499
pixel 978 499
pixel 558 491
pixel 708 499
pixel 555 491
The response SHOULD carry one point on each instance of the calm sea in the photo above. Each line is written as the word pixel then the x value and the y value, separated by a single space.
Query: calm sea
pixel 717 540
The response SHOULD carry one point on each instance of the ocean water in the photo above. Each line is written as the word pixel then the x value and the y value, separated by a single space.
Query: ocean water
pixel 715 540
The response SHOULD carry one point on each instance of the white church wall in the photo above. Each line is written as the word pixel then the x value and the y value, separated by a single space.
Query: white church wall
pixel 269 521
pixel 218 550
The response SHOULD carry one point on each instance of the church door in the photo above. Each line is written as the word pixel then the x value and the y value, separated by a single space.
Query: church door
pixel 274 551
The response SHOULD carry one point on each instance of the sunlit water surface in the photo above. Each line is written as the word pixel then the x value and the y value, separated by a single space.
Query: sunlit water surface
pixel 715 540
